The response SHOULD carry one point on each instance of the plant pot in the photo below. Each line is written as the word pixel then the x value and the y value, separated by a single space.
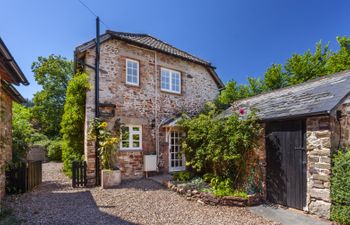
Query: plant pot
pixel 110 178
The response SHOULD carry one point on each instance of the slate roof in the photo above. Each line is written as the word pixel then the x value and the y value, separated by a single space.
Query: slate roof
pixel 315 97
pixel 14 72
pixel 11 66
pixel 152 43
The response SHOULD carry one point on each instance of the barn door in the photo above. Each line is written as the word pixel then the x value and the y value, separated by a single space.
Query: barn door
pixel 286 163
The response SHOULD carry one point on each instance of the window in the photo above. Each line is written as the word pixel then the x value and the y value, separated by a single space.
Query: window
pixel 132 72
pixel 131 137
pixel 170 81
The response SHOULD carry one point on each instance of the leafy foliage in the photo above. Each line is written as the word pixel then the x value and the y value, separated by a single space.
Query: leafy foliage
pixel 73 121
pixel 275 78
pixel 23 133
pixel 341 60
pixel 340 186
pixel 303 67
pixel 182 176
pixel 55 150
pixel 220 147
pixel 297 69
pixel 53 74
pixel 106 141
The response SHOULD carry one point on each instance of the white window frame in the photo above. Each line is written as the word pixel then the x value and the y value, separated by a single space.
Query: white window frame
pixel 138 72
pixel 178 145
pixel 131 133
pixel 170 80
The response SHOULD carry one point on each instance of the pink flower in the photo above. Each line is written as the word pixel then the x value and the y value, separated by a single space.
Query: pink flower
pixel 241 111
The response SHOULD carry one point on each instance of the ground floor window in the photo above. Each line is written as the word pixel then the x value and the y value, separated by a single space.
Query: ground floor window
pixel 131 137
pixel 176 157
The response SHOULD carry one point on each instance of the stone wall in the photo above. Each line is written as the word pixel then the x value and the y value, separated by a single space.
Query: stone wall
pixel 145 104
pixel 5 136
pixel 260 159
pixel 341 129
pixel 318 146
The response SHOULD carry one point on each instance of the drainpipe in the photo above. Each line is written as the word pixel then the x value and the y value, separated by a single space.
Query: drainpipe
pixel 97 95
pixel 156 108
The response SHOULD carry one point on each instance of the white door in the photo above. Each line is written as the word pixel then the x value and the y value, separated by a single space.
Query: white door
pixel 176 158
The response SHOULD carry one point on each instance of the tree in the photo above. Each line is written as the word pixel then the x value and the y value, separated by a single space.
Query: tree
pixel 303 67
pixel 233 92
pixel 341 60
pixel 275 78
pixel 255 86
pixel 53 74
pixel 21 131
pixel 73 121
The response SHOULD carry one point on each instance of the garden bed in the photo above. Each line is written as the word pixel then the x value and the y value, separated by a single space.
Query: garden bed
pixel 192 194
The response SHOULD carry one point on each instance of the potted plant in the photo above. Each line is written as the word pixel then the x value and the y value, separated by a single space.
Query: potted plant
pixel 107 147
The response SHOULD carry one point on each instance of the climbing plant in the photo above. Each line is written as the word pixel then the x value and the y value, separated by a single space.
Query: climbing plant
pixel 218 148
pixel 73 118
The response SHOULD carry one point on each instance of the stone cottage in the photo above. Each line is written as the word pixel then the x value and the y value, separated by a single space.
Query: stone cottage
pixel 146 84
pixel 304 124
pixel 10 74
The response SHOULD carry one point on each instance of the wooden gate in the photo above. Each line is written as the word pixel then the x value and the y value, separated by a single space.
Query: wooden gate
pixel 79 174
pixel 23 176
pixel 286 163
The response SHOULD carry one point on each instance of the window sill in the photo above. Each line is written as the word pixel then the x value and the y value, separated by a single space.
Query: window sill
pixel 171 92
pixel 130 149
pixel 132 85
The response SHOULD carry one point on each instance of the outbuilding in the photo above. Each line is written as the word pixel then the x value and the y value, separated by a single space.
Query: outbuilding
pixel 10 74
pixel 303 125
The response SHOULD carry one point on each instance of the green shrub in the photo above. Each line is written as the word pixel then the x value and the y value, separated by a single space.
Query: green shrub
pixel 72 124
pixel 224 187
pixel 340 186
pixel 220 148
pixel 55 150
pixel 182 176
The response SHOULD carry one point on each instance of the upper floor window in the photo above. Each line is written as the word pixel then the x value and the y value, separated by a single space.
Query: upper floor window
pixel 170 80
pixel 131 137
pixel 132 72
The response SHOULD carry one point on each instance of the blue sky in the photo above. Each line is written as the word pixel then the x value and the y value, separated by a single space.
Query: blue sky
pixel 240 37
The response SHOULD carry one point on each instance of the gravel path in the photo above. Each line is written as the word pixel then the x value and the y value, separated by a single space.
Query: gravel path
pixel 135 202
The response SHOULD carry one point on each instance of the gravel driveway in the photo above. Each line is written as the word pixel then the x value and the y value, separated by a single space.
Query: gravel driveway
pixel 135 202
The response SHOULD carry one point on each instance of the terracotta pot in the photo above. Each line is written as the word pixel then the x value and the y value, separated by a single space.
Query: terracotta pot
pixel 110 178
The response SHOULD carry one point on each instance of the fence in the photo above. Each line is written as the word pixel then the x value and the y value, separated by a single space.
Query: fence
pixel 79 174
pixel 23 176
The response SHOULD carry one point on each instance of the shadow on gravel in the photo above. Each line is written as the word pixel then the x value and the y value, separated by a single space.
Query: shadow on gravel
pixel 65 208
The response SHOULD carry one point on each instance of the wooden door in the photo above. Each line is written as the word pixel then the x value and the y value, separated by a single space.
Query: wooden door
pixel 286 163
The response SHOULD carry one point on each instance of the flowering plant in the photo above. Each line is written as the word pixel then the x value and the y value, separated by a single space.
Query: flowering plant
pixel 106 141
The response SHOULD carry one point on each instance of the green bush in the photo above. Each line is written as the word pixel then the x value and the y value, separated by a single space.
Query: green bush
pixel 220 148
pixel 72 124
pixel 224 187
pixel 55 150
pixel 340 186
pixel 182 176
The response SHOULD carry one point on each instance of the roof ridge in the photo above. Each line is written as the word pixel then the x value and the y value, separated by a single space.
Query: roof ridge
pixel 179 49
pixel 125 33
pixel 151 36
pixel 295 85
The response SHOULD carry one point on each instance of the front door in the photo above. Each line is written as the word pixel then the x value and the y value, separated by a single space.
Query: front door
pixel 286 163
pixel 176 158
